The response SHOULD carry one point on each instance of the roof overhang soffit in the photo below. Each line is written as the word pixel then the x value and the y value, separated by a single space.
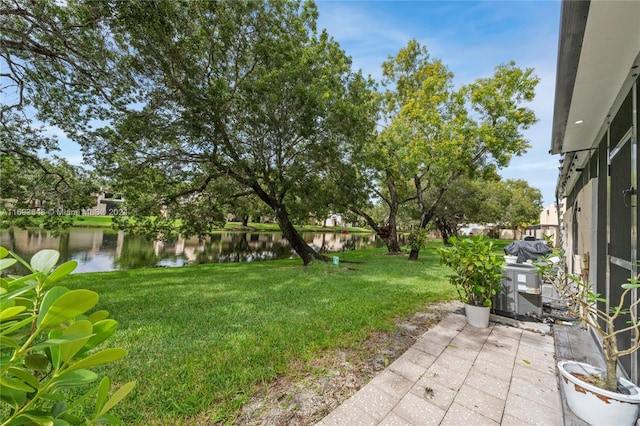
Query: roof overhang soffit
pixel 593 69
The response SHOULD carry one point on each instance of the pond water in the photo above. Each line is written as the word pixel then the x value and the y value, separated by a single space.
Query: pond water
pixel 98 250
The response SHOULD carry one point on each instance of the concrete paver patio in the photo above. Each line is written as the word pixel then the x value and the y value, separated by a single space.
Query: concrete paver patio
pixel 458 374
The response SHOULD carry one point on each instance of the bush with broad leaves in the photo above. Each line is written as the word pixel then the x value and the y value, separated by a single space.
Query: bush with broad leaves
pixel 48 346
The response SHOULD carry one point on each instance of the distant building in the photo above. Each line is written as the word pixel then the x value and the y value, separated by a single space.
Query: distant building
pixel 547 226
pixel 474 229
pixel 334 220
pixel 108 203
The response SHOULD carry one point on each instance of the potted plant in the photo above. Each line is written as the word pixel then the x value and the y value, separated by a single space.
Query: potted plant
pixel 477 275
pixel 598 396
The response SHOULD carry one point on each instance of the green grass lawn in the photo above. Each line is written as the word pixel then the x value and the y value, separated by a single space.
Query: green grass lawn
pixel 273 227
pixel 202 339
pixel 93 221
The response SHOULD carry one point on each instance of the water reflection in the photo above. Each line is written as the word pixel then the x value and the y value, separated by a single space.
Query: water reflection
pixel 106 250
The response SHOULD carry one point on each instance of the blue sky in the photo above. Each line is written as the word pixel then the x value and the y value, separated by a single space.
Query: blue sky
pixel 471 38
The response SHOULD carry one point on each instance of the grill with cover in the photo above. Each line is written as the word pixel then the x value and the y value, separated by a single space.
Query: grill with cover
pixel 527 250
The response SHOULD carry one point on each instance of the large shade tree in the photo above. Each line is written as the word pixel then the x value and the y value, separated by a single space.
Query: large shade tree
pixel 487 199
pixel 521 204
pixel 443 133
pixel 187 93
pixel 391 189
pixel 248 91
pixel 397 156
pixel 470 200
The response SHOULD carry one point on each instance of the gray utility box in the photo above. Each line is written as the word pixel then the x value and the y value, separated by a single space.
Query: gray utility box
pixel 521 292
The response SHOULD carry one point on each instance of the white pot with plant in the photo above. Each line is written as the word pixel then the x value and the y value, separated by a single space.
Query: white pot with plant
pixel 598 396
pixel 477 275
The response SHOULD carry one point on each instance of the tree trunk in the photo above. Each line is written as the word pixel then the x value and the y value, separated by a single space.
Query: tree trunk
pixel 392 242
pixel 245 221
pixel 610 348
pixel 425 218
pixel 444 231
pixel 306 253
pixel 394 203
pixel 298 244
pixel 388 232
pixel 427 214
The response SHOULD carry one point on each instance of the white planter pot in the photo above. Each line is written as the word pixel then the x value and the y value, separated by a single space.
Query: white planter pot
pixel 477 316
pixel 594 405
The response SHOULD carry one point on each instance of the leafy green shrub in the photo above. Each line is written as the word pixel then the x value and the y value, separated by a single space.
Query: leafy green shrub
pixel 477 269
pixel 418 239
pixel 48 345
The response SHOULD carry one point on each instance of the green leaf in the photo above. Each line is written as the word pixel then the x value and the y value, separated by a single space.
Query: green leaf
pixel 15 384
pixel 103 357
pixel 71 419
pixel 108 419
pixel 58 408
pixel 6 263
pixel 98 316
pixel 3 252
pixel 36 362
pixel 51 296
pixel 11 312
pixel 53 397
pixel 79 334
pixel 60 345
pixel 15 398
pixel 62 271
pixel 6 303
pixel 22 261
pixel 25 376
pixel 22 289
pixel 44 260
pixel 6 341
pixel 55 342
pixel 102 330
pixel 68 306
pixel 630 285
pixel 34 417
pixel 16 326
pixel 103 392
pixel 73 379
pixel 54 349
pixel 118 396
